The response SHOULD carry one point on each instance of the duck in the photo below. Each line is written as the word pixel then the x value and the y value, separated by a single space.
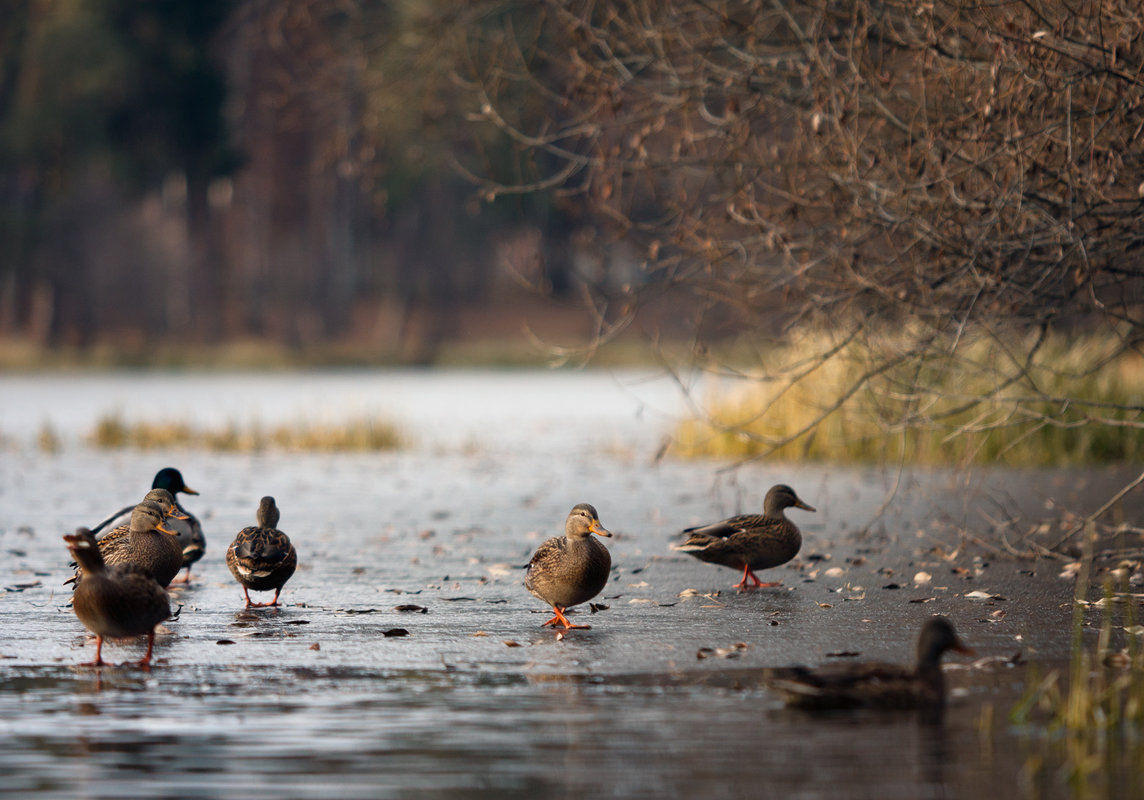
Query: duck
pixel 570 569
pixel 750 541
pixel 115 601
pixel 874 685
pixel 261 557
pixel 145 540
pixel 186 526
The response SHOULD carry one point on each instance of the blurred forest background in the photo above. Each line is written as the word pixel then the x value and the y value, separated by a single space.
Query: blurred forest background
pixel 938 206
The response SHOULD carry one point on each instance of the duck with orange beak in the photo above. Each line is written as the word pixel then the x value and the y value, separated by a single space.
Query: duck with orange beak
pixel 570 569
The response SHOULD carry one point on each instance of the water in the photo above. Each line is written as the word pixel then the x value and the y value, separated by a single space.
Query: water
pixel 314 700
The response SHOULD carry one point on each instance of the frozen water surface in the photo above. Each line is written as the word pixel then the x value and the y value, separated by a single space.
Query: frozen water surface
pixel 314 700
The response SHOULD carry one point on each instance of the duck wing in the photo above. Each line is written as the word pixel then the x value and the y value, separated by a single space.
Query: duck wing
pixel 120 513
pixel 731 525
pixel 845 685
pixel 263 546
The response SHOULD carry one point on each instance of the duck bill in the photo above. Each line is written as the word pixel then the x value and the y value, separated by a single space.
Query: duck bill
pixel 804 506
pixel 600 530
pixel 187 490
pixel 165 529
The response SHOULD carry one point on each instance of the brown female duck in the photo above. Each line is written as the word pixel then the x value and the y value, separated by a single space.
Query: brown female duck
pixel 261 557
pixel 115 601
pixel 186 526
pixel 146 541
pixel 570 569
pixel 874 685
pixel 750 541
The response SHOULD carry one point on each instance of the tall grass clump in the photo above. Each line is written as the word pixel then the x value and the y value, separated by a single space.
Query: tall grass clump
pixel 1091 721
pixel 359 435
pixel 1075 400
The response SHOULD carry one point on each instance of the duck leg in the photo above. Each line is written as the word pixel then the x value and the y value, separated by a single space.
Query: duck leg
pixel 251 604
pixel 99 662
pixel 145 662
pixel 560 619
pixel 748 574
pixel 186 576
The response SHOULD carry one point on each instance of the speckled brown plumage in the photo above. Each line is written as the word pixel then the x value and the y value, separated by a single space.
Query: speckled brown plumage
pixel 186 526
pixel 573 568
pixel 145 541
pixel 115 601
pixel 750 541
pixel 262 557
pixel 875 685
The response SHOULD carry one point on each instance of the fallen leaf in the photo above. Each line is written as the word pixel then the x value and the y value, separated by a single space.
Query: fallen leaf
pixel 921 578
pixel 395 632
pixel 834 572
pixel 480 633
pixel 923 599
pixel 315 646
pixel 595 607
pixel 409 607
pixel 892 586
pixel 721 652
pixel 19 587
pixel 511 643
pixel 691 593
pixel 825 605
pixel 844 654
pixel 225 641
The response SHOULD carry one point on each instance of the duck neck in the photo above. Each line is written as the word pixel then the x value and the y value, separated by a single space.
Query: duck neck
pixel 774 511
pixel 580 542
pixel 928 668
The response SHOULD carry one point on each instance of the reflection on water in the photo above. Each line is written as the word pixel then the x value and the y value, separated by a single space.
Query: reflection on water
pixel 357 733
pixel 369 735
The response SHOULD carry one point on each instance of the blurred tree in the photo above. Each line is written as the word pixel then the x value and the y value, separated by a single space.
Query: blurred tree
pixel 906 177
pixel 123 94
pixel 169 120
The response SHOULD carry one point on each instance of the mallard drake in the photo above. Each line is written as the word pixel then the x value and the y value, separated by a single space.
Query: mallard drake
pixel 186 526
pixel 875 685
pixel 115 601
pixel 750 541
pixel 145 541
pixel 570 569
pixel 262 557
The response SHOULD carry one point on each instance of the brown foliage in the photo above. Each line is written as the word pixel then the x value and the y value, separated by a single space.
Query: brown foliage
pixel 946 162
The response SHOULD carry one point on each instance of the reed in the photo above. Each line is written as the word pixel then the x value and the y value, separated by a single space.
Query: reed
pixel 1089 719
pixel 358 435
pixel 1075 401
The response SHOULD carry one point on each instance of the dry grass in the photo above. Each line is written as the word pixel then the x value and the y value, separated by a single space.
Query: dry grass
pixel 1092 720
pixel 359 435
pixel 1076 402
